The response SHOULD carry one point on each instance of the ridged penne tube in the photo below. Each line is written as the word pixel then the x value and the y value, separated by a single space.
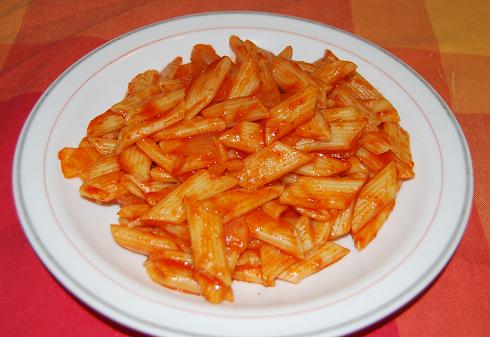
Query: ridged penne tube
pixel 375 142
pixel 248 268
pixel 333 71
pixel 107 122
pixel 153 151
pixel 133 133
pixel 320 215
pixel 173 276
pixel 322 193
pixel 236 110
pixel 162 175
pixel 141 242
pixel 342 223
pixel 290 113
pixel 343 114
pixel 142 81
pixel 289 76
pixel 323 166
pixel 203 90
pixel 136 162
pixel 361 88
pixel 188 128
pixel 316 128
pixel 370 159
pixel 273 263
pixel 315 260
pixel 246 136
pixel 212 288
pixel 200 186
pixel 236 240
pixel 344 136
pixel 244 81
pixel 268 92
pixel 383 109
pixel 277 233
pixel 322 230
pixel 103 165
pixel 168 72
pixel 178 230
pixel 207 240
pixel 132 105
pixel 376 194
pixel 347 98
pixel 369 231
pixel 235 203
pixel 304 232
pixel 274 209
pixel 75 161
pixel 132 212
pixel 103 145
pixel 103 189
pixel 399 142
pixel 270 163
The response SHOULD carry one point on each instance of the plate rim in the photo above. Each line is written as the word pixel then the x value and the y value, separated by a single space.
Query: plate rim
pixel 369 317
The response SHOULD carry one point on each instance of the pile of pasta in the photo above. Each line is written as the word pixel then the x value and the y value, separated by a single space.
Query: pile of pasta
pixel 243 169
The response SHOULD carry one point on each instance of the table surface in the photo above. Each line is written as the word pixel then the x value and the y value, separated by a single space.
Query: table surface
pixel 447 42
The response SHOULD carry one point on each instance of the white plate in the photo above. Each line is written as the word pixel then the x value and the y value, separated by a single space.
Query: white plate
pixel 72 237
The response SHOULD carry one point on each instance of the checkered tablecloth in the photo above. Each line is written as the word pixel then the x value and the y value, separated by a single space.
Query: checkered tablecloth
pixel 446 41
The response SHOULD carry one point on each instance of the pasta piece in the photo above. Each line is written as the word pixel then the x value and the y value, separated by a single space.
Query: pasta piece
pixel 236 110
pixel 153 151
pixel 342 223
pixel 140 241
pixel 274 209
pixel 103 165
pixel 400 144
pixel 142 81
pixel 168 72
pixel 333 71
pixel 304 232
pixel 270 163
pixel 290 113
pixel 273 262
pixel 207 239
pixel 104 123
pixel 344 114
pixel 200 186
pixel 375 142
pixel 315 260
pixel 188 128
pixel 103 145
pixel 131 134
pixel 369 231
pixel 321 193
pixel 235 203
pixel 248 268
pixel 246 136
pixel 134 161
pixel 205 87
pixel 316 128
pixel 289 76
pixel 320 215
pixel 133 212
pixel 103 189
pixel 322 230
pixel 277 233
pixel 236 240
pixel 344 136
pixel 375 195
pixel 323 166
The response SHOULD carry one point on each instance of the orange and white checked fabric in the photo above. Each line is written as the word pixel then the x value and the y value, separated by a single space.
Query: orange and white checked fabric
pixel 446 41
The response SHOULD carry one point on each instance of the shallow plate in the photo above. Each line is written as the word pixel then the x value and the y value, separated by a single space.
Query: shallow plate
pixel 72 236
